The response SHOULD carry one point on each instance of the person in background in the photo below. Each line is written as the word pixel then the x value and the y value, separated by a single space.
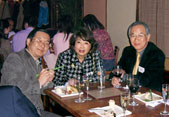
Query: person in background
pixel 11 29
pixel 23 69
pixel 5 47
pixel 150 58
pixel 60 39
pixel 80 59
pixel 19 39
pixel 103 39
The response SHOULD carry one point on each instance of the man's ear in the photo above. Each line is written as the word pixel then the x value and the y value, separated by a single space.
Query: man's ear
pixel 148 37
pixel 28 41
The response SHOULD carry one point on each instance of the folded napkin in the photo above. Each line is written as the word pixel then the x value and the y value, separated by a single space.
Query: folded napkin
pixel 108 112
pixel 153 103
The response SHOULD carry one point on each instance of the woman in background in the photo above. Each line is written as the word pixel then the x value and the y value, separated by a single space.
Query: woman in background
pixel 62 37
pixel 60 40
pixel 103 39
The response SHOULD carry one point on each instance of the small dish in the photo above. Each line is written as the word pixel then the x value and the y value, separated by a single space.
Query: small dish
pixel 146 99
pixel 62 92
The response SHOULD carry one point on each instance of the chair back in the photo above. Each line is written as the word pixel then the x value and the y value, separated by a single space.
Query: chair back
pixel 116 54
pixel 13 103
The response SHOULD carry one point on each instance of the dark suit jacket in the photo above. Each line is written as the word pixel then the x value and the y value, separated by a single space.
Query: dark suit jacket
pixel 152 65
pixel 14 104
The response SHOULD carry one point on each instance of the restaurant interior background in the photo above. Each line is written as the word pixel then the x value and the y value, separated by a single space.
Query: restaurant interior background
pixel 116 16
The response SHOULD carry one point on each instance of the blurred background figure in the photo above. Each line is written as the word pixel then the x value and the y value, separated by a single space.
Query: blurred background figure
pixel 5 47
pixel 103 39
pixel 60 39
pixel 19 39
pixel 11 29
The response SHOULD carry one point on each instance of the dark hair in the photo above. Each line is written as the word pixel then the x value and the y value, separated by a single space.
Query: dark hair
pixel 3 24
pixel 138 23
pixel 31 20
pixel 85 35
pixel 65 25
pixel 90 21
pixel 34 31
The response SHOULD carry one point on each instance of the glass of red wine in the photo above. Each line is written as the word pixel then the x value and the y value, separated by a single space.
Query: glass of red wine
pixel 117 73
pixel 133 87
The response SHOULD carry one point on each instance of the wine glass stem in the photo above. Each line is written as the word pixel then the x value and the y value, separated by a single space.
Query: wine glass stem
pixel 133 98
pixel 124 112
pixel 87 89
pixel 79 96
pixel 164 106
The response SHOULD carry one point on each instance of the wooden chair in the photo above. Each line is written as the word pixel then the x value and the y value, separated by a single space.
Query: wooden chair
pixel 116 53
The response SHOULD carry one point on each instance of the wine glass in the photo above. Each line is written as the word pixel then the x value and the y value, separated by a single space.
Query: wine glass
pixel 133 86
pixel 127 80
pixel 86 80
pixel 117 73
pixel 124 101
pixel 79 84
pixel 165 94
pixel 101 77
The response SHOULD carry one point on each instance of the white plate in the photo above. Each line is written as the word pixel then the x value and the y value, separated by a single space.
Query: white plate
pixel 142 98
pixel 64 95
pixel 106 111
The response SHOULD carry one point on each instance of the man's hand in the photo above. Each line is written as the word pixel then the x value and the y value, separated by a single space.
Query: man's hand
pixel 116 81
pixel 45 76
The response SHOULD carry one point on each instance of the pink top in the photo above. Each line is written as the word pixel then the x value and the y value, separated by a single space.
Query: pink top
pixel 104 42
pixel 60 44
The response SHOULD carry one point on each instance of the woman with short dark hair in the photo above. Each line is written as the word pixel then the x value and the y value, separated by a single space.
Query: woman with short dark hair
pixel 80 59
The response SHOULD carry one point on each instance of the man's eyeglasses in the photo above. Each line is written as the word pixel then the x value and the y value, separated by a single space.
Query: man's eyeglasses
pixel 139 36
pixel 39 41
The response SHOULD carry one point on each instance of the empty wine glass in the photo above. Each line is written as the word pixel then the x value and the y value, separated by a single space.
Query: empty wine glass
pixel 124 101
pixel 165 94
pixel 87 79
pixel 79 84
pixel 101 77
pixel 133 86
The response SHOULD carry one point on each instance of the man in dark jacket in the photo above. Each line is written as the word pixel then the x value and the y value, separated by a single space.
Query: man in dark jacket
pixel 151 66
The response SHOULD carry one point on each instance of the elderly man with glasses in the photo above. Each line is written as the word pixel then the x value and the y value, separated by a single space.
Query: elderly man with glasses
pixel 142 58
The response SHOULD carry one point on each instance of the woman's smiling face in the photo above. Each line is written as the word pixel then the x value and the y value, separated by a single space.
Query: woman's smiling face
pixel 81 47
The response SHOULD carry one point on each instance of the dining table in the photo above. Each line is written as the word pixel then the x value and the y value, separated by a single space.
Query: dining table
pixel 82 109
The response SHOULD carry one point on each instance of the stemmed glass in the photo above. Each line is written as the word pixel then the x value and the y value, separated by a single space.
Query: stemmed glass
pixel 79 84
pixel 86 80
pixel 117 73
pixel 165 94
pixel 124 101
pixel 133 86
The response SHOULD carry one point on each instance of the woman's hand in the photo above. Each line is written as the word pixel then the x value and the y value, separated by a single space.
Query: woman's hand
pixel 72 82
